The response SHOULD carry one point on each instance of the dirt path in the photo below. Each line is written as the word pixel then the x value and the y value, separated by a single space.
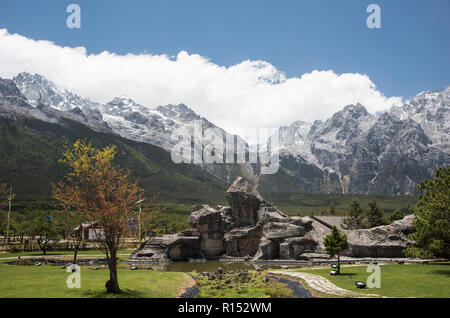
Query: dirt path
pixel 321 284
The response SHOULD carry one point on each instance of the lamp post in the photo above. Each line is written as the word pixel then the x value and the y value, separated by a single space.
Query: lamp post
pixel 139 218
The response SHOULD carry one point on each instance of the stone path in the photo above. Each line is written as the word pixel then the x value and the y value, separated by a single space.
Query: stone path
pixel 321 284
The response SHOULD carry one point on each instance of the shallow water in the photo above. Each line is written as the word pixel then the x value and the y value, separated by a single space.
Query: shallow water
pixel 203 266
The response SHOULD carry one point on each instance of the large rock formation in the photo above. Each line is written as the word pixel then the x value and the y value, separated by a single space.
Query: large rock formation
pixel 381 241
pixel 250 227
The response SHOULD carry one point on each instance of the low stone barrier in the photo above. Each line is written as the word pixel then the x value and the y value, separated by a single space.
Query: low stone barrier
pixel 191 291
pixel 298 291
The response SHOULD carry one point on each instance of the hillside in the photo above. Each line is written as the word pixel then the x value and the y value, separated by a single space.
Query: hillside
pixel 30 150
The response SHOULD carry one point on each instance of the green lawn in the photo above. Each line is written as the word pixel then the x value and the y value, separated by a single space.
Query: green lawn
pixel 408 280
pixel 48 281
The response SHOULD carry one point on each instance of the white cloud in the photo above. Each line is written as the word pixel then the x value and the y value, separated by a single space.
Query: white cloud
pixel 248 94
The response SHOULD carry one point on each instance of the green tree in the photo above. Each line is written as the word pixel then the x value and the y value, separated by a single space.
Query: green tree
pixel 375 216
pixel 44 232
pixel 397 215
pixel 355 219
pixel 432 223
pixel 335 243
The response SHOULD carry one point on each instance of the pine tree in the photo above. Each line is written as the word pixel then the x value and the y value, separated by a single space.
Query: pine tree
pixel 375 216
pixel 335 243
pixel 397 215
pixel 432 223
pixel 355 219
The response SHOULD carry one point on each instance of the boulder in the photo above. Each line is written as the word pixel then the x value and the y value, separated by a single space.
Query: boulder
pixel 268 214
pixel 280 231
pixel 242 241
pixel 284 250
pixel 301 245
pixel 267 249
pixel 169 247
pixel 381 241
pixel 208 222
pixel 245 202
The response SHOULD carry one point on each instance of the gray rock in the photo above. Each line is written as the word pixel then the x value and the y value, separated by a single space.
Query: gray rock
pixel 301 245
pixel 245 202
pixel 267 249
pixel 381 241
pixel 278 230
pixel 284 250
pixel 242 241
pixel 173 247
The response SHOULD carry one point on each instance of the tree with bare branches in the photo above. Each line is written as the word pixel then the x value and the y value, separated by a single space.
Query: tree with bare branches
pixel 103 194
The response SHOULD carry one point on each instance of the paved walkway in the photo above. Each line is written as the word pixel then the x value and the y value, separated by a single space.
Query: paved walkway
pixel 321 284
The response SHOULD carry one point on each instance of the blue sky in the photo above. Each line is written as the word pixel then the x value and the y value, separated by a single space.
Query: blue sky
pixel 409 54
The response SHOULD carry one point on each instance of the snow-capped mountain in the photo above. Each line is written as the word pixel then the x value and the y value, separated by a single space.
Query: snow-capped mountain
pixel 388 154
pixel 431 111
pixel 140 123
pixel 122 116
pixel 351 152
pixel 39 90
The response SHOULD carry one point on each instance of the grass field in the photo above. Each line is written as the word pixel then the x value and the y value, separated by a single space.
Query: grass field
pixel 303 204
pixel 48 281
pixel 408 280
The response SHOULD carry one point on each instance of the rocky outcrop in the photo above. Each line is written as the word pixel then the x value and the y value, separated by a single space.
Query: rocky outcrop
pixel 245 202
pixel 381 241
pixel 169 247
pixel 250 227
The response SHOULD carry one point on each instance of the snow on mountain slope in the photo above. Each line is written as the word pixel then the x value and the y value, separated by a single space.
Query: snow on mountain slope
pixel 432 111
pixel 351 152
pixel 39 90
pixel 390 153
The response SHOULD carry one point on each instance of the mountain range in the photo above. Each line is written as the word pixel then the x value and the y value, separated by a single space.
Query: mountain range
pixel 351 152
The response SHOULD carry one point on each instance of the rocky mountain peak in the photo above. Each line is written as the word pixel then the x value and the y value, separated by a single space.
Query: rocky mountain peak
pixel 180 111
pixel 40 90
pixel 10 93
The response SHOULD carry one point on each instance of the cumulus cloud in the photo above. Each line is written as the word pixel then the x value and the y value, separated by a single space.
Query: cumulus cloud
pixel 248 94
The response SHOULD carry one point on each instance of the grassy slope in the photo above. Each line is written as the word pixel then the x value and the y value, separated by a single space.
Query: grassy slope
pixel 408 280
pixel 49 281
pixel 30 163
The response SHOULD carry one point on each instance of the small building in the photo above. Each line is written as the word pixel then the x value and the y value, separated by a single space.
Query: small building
pixel 89 231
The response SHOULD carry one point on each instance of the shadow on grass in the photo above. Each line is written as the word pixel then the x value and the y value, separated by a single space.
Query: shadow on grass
pixel 445 272
pixel 439 263
pixel 125 293
pixel 346 274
